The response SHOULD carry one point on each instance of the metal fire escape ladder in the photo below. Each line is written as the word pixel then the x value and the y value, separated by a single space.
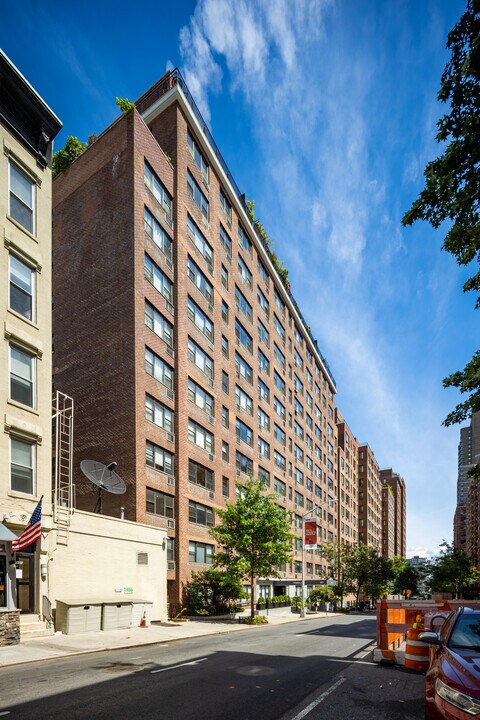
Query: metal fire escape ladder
pixel 63 498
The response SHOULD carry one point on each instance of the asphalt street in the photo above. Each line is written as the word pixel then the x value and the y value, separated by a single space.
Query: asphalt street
pixel 314 670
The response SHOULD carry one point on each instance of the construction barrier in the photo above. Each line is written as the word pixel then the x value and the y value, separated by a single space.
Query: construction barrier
pixel 417 653
pixel 396 617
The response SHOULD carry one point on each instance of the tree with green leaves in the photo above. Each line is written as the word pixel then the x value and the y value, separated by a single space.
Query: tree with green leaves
pixel 255 535
pixel 124 104
pixel 403 577
pixel 336 553
pixel 452 181
pixel 62 159
pixel 213 588
pixel 452 571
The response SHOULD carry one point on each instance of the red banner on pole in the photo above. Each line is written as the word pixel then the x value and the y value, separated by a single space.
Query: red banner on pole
pixel 311 534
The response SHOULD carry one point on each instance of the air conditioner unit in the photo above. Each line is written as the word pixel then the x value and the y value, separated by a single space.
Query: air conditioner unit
pixel 211 457
pixel 171 524
pixel 211 495
pixel 211 420
pixel 170 437
pixel 170 351
pixel 171 565
pixel 170 394
pixel 170 480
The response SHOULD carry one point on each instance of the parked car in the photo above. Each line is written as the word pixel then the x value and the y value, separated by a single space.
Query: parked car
pixel 453 675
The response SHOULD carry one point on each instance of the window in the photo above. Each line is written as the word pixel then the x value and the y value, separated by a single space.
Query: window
pixel 200 514
pixel 170 550
pixel 263 448
pixel 225 382
pixel 298 408
pixel 263 302
pixel 309 399
pixel 298 384
pixel 197 155
pixel 158 324
pixel 298 454
pixel 225 417
pixel 244 464
pixel 203 361
pixel 154 230
pixel 279 328
pixel 159 459
pixel 244 241
pixel 280 384
pixel 243 369
pixel 199 319
pixel 200 553
pixel 158 369
pixel 194 191
pixel 279 435
pixel 243 336
pixel 199 280
pixel 263 273
pixel 243 401
pixel 225 277
pixel 225 451
pixel 263 334
pixel 279 302
pixel 242 304
pixel 22 198
pixel 298 359
pixel 158 190
pixel 225 312
pixel 279 356
pixel 309 355
pixel 280 487
pixel 225 351
pixel 279 408
pixel 244 433
pixel 264 476
pixel 263 363
pixel 226 207
pixel 279 460
pixel 226 243
pixel 298 498
pixel 309 376
pixel 22 288
pixel 159 413
pixel 22 377
pixel 244 272
pixel 158 279
pixel 200 475
pixel 263 420
pixel 22 464
pixel 200 242
pixel 263 391
pixel 298 337
pixel 158 503
pixel 225 486
pixel 200 437
pixel 200 397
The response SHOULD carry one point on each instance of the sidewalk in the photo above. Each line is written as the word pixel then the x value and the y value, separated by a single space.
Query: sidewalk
pixel 56 646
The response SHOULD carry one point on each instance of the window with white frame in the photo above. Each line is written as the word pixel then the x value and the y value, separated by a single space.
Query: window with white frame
pixel 159 503
pixel 158 413
pixel 158 190
pixel 158 279
pixel 199 198
pixel 279 408
pixel 201 475
pixel 199 280
pixel 200 436
pixel 22 376
pixel 200 242
pixel 263 391
pixel 22 465
pixel 201 398
pixel 158 324
pixel 157 368
pixel 244 272
pixel 226 207
pixel 197 155
pixel 243 336
pixel 263 302
pixel 263 334
pixel 203 361
pixel 22 198
pixel 263 448
pixel 200 553
pixel 155 231
pixel 242 304
pixel 244 240
pixel 263 363
pixel 263 272
pixel 200 319
pixel 226 242
pixel 243 369
pixel 200 514
pixel 243 463
pixel 158 458
pixel 244 433
pixel 22 288
pixel 263 420
pixel 243 401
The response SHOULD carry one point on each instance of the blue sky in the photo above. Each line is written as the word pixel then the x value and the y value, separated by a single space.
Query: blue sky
pixel 325 112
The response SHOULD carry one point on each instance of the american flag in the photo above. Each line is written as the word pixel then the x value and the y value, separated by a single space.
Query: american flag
pixel 33 530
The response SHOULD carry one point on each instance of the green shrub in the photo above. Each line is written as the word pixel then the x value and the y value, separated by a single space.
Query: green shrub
pixel 259 620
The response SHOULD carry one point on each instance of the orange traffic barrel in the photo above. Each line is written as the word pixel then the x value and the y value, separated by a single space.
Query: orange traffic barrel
pixel 416 651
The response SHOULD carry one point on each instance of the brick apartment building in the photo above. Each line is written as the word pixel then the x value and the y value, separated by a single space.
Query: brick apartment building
pixel 388 522
pixel 347 482
pixel 396 484
pixel 186 354
pixel 466 520
pixel 369 498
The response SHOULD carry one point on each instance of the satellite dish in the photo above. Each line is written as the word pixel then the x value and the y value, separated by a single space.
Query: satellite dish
pixel 104 477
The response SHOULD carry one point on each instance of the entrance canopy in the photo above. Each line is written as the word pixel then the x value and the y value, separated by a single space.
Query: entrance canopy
pixel 6 535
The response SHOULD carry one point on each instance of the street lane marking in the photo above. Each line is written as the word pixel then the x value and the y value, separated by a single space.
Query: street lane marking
pixel 320 699
pixel 174 667
pixel 5 712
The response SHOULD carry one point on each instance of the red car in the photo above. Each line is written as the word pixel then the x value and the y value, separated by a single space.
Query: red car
pixel 453 676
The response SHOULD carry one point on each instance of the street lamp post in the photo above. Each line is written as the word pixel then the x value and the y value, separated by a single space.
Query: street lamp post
pixel 304 515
